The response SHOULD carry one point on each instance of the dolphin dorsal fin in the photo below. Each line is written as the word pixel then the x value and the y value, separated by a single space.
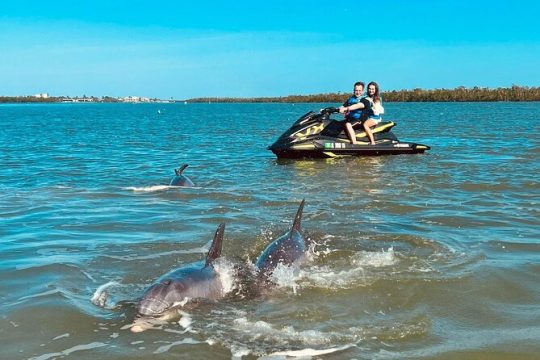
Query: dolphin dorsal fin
pixel 215 248
pixel 178 172
pixel 297 225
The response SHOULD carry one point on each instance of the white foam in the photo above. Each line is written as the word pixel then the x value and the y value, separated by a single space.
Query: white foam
pixel 239 352
pixel 61 336
pixel 152 188
pixel 88 275
pixel 166 348
pixel 185 321
pixel 144 323
pixel 181 303
pixel 101 297
pixel 332 278
pixel 227 274
pixel 156 188
pixel 261 329
pixel 293 277
pixel 62 187
pixel 69 351
pixel 375 259
pixel 304 353
pixel 45 293
pixel 325 277
pixel 286 276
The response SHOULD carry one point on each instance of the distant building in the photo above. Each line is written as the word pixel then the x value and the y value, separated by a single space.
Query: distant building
pixel 134 99
pixel 131 99
pixel 77 100
pixel 125 99
pixel 42 96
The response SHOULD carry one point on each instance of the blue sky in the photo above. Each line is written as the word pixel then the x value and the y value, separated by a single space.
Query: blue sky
pixel 184 49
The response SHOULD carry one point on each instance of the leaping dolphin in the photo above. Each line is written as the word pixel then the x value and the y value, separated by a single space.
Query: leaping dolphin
pixel 179 179
pixel 288 249
pixel 194 281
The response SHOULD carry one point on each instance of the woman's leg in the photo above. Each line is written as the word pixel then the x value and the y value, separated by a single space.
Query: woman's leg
pixel 367 127
pixel 350 132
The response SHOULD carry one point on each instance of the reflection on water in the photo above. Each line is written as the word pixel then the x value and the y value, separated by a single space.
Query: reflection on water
pixel 421 256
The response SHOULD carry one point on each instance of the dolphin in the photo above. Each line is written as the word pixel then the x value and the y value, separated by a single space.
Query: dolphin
pixel 179 179
pixel 288 249
pixel 198 280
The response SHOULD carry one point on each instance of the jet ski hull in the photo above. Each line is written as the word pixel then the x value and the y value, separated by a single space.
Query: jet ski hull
pixel 319 136
pixel 333 150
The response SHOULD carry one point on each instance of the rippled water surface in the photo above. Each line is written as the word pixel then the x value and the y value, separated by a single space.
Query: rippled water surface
pixel 412 256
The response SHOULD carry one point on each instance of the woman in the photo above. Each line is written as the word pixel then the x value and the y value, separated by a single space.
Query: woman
pixel 376 110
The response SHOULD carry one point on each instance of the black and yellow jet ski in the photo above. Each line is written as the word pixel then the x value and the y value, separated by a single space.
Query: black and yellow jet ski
pixel 317 135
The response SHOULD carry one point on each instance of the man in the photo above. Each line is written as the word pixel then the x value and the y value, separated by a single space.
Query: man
pixel 353 109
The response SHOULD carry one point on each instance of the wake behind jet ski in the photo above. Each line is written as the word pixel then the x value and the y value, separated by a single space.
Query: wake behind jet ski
pixel 317 135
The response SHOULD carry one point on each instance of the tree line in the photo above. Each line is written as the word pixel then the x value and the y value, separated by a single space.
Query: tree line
pixel 27 99
pixel 462 94
pixel 459 94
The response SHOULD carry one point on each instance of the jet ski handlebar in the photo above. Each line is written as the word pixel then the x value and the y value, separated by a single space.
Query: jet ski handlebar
pixel 329 110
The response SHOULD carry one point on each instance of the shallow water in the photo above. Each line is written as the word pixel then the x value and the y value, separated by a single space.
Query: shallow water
pixel 413 256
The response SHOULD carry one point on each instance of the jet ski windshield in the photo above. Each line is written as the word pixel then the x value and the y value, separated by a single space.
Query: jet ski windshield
pixel 313 116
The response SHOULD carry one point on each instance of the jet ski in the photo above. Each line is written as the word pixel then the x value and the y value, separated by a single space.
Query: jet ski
pixel 317 135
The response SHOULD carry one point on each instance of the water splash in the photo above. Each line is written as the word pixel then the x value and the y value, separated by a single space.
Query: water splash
pixel 102 298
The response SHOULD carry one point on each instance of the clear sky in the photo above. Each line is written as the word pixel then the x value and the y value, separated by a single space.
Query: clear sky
pixel 237 48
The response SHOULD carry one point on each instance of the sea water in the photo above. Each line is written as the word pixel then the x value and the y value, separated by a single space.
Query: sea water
pixel 411 256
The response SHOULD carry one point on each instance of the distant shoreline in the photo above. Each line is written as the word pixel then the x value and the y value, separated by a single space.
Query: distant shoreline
pixel 45 98
pixel 460 94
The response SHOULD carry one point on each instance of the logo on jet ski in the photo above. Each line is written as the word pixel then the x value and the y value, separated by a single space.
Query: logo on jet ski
pixel 312 130
pixel 334 146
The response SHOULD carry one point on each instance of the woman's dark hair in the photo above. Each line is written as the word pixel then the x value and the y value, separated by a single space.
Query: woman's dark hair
pixel 376 96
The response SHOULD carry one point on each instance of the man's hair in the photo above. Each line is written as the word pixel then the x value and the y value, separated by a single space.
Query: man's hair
pixel 361 83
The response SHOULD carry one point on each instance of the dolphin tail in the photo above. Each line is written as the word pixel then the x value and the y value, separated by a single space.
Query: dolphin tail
pixel 178 172
pixel 297 225
pixel 215 249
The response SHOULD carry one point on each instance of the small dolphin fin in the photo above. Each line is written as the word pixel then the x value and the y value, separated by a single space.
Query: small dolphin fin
pixel 178 172
pixel 215 249
pixel 297 225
